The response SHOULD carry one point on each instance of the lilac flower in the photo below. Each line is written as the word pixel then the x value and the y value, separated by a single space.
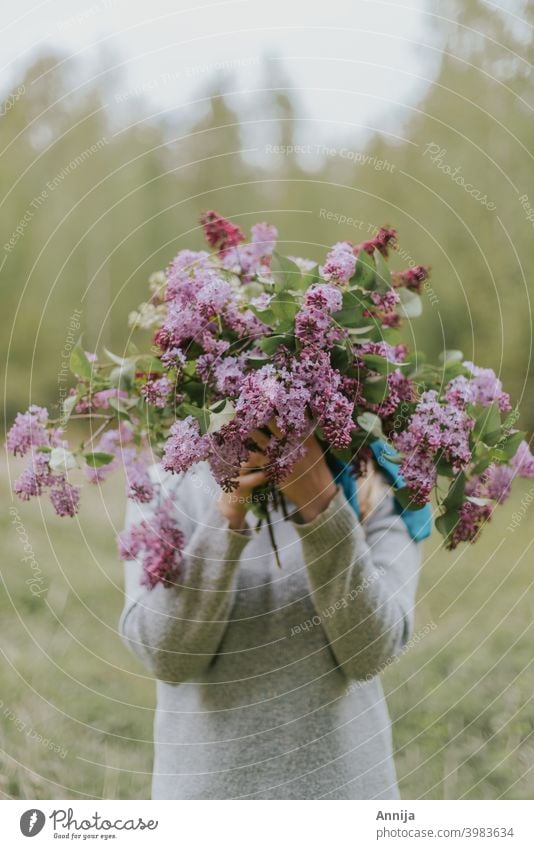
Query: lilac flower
pixel 174 358
pixel 139 485
pixel 387 301
pixel 65 497
pixel 158 543
pixel 336 422
pixel 101 399
pixel 219 232
pixel 484 388
pixel 384 239
pixel 156 392
pixel 472 518
pixel 184 273
pixel 313 322
pixel 113 441
pixel 28 430
pixel 264 238
pixel 412 278
pixel 258 399
pixel 282 454
pixel 228 451
pixel 523 462
pixel 229 375
pixel 185 446
pixel 213 296
pixel 433 428
pixel 498 480
pixel 340 263
pixel 35 478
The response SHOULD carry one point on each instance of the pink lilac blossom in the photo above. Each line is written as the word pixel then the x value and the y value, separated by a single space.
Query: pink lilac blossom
pixel 282 454
pixel 35 477
pixel 313 322
pixel 157 392
pixel 28 430
pixel 483 388
pixel 185 446
pixel 228 451
pixel 158 543
pixel 101 399
pixel 229 375
pixel 340 263
pixel 174 358
pixel 263 240
pixel 65 497
pixel 139 485
pixel 523 462
pixel 433 428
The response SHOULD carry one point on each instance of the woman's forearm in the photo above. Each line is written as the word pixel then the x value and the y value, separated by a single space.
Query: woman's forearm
pixel 363 586
pixel 176 631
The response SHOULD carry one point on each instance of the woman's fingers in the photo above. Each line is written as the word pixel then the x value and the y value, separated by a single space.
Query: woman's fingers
pixel 254 460
pixel 261 439
pixel 250 480
pixel 273 427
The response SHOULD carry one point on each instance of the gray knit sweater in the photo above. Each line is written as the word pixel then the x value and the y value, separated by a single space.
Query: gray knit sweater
pixel 268 682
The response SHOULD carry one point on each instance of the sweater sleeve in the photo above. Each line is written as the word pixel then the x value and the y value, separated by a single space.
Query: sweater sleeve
pixel 363 583
pixel 175 631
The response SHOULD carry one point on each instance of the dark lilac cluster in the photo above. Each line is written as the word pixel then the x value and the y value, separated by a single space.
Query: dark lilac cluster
pixel 158 543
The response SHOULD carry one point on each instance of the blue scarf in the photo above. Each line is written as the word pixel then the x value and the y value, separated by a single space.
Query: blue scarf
pixel 418 522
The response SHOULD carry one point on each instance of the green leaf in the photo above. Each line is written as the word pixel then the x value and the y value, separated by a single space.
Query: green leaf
pixel 456 493
pixel 284 307
pixel 311 276
pixel 375 389
pixel 67 407
pixel 201 414
pixel 269 344
pixel 196 392
pixel 119 361
pixel 371 423
pixel 488 425
pixel 405 498
pixel 452 356
pixel 447 522
pixel 351 312
pixel 411 305
pixel 507 448
pixel 79 364
pixel 286 274
pixel 364 274
pixel 375 362
pixel 98 458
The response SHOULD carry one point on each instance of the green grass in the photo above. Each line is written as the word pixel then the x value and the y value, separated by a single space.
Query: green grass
pixel 460 697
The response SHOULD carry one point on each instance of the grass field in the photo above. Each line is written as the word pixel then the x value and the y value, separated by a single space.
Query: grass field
pixel 76 707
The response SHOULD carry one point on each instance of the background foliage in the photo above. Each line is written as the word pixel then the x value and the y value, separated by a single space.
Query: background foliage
pixel 123 212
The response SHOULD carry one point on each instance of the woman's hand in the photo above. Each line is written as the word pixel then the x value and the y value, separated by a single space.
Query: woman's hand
pixel 233 505
pixel 311 484
pixel 371 489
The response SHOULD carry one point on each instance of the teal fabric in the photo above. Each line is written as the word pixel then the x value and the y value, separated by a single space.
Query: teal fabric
pixel 418 522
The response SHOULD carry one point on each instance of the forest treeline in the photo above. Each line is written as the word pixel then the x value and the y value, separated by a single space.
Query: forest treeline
pixel 94 198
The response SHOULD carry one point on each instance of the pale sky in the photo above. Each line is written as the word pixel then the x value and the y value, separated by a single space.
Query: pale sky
pixel 353 62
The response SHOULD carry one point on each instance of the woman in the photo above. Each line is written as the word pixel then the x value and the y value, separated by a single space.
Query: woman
pixel 268 682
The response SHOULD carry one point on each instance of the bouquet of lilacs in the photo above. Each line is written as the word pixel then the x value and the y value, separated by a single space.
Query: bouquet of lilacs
pixel 245 339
